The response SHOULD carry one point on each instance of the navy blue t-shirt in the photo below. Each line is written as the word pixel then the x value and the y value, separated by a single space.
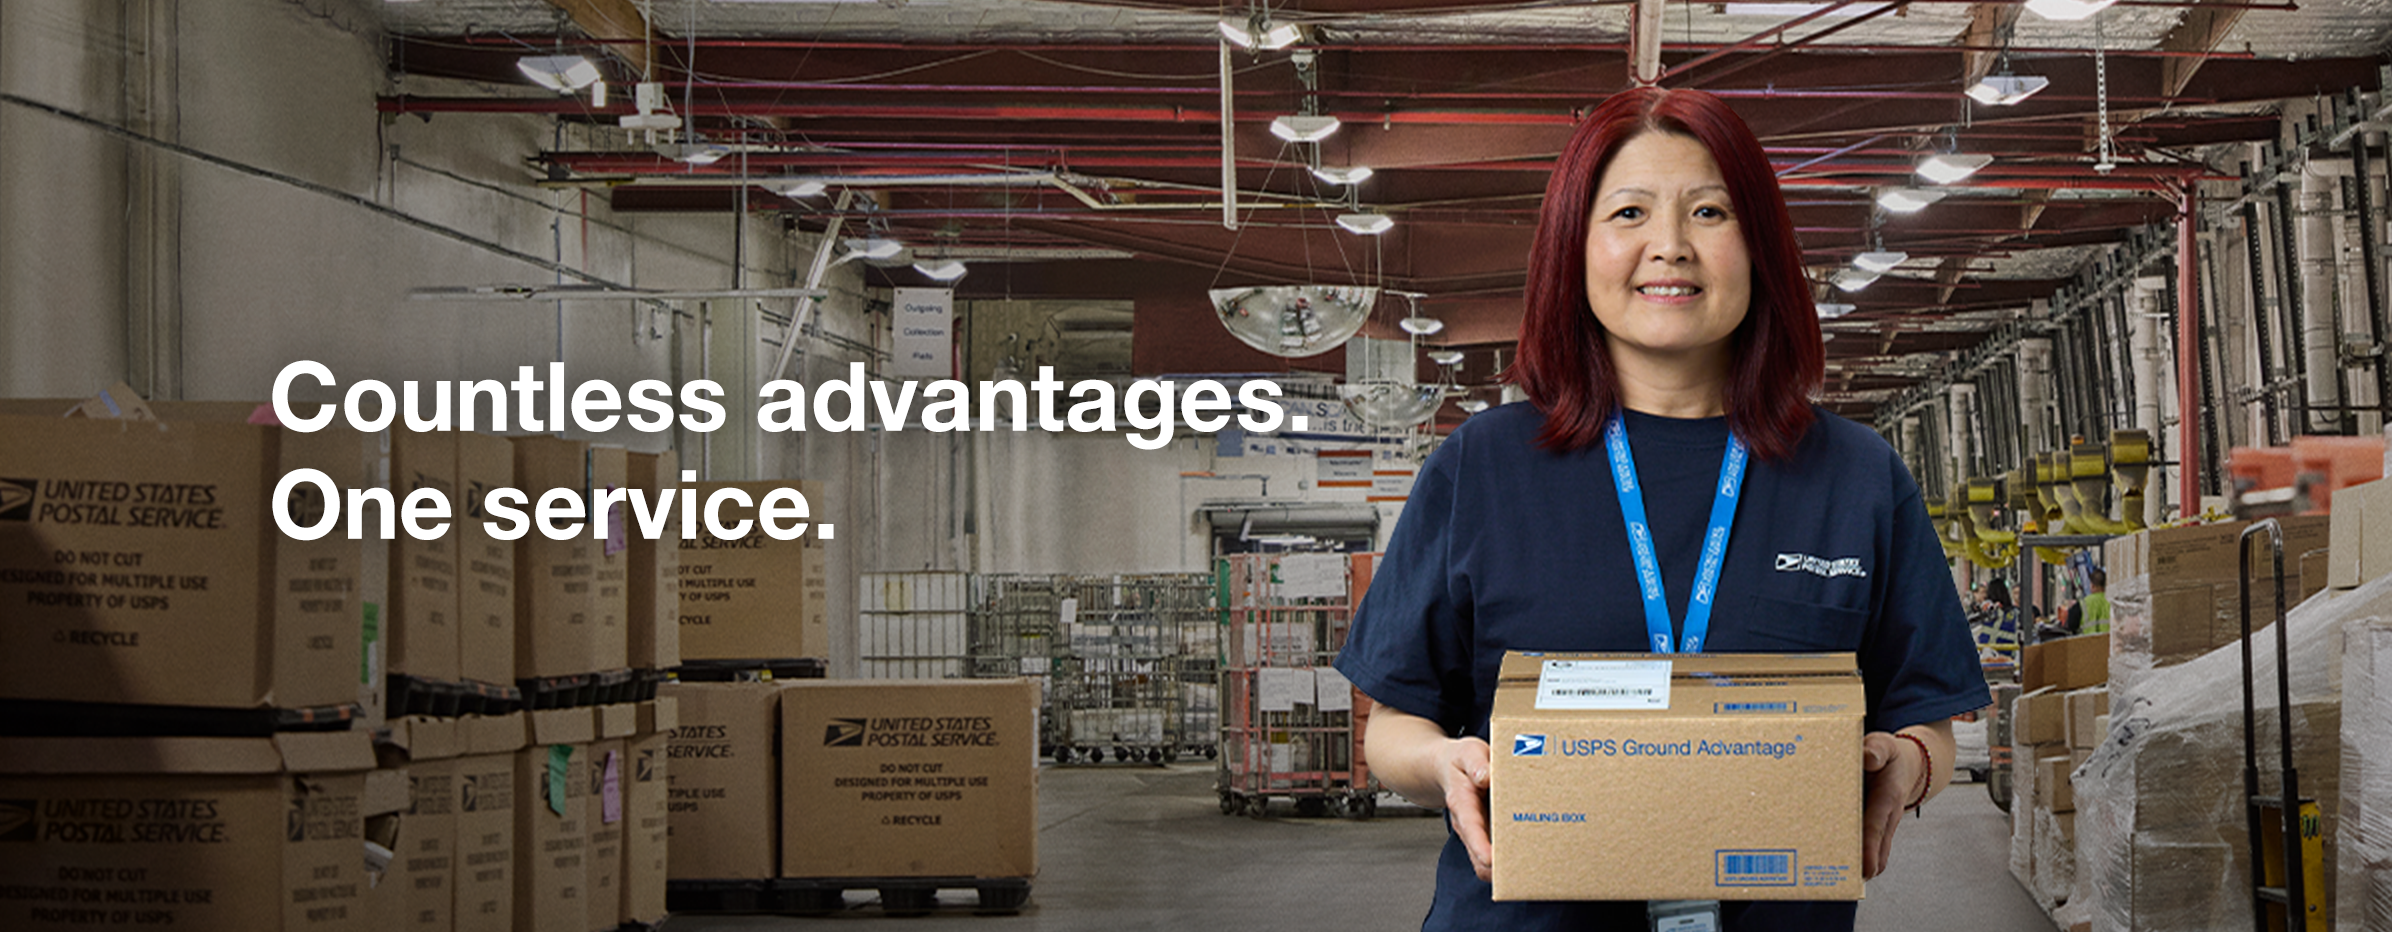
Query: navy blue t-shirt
pixel 1507 546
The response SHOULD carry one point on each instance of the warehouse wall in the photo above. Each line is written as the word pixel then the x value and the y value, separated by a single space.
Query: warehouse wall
pixel 190 202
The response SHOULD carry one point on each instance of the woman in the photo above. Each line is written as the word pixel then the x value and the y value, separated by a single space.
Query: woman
pixel 1665 290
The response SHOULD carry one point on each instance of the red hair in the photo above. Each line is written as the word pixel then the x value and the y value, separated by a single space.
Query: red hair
pixel 1776 359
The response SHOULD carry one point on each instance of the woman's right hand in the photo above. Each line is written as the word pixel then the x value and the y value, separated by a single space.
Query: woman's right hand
pixel 1462 766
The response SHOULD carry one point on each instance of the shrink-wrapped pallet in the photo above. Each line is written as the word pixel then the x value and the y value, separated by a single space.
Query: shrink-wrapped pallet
pixel 2160 822
pixel 2365 881
pixel 2022 806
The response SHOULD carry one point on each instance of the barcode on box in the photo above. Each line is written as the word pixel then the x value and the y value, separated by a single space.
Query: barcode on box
pixel 1600 691
pixel 1756 869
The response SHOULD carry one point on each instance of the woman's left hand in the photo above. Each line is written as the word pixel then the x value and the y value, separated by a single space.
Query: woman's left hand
pixel 1891 768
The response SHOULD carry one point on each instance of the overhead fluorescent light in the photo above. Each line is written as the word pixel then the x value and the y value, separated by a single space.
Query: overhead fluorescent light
pixel 945 270
pixel 1830 310
pixel 598 96
pixel 655 112
pixel 694 153
pixel 1446 357
pixel 1419 326
pixel 1366 223
pixel 1471 405
pixel 1950 166
pixel 806 188
pixel 875 247
pixel 1304 127
pixel 1879 261
pixel 1853 280
pixel 2067 10
pixel 560 73
pixel 2002 90
pixel 1908 200
pixel 1280 36
pixel 1264 35
pixel 1354 175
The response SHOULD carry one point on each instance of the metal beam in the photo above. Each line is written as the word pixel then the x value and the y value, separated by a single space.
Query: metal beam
pixel 615 22
pixel 2200 32
pixel 1988 23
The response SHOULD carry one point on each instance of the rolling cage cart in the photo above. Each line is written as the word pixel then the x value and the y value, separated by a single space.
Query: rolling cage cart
pixel 1115 656
pixel 1291 726
pixel 913 625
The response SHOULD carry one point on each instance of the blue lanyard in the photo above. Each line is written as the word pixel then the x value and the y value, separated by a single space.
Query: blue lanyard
pixel 1640 540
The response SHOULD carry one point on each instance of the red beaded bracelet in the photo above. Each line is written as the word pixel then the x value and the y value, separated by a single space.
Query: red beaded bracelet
pixel 1926 775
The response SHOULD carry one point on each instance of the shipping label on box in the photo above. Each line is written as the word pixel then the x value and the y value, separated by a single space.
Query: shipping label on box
pixel 610 565
pixel 1757 752
pixel 646 835
pixel 755 597
pixel 485 829
pixel 486 565
pixel 140 563
pixel 555 580
pixel 723 784
pixel 653 605
pixel 552 839
pixel 253 834
pixel 421 622
pixel 897 778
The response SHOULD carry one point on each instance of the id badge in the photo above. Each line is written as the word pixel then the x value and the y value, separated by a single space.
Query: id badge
pixel 1684 915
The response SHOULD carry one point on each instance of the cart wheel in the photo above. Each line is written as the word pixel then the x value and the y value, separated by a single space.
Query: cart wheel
pixel 1125 755
pixel 1229 803
pixel 1158 756
pixel 1170 755
pixel 1258 806
pixel 1212 753
pixel 1096 755
pixel 1370 807
pixel 1312 807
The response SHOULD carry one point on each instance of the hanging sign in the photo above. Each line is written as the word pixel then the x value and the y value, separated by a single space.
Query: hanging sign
pixel 924 325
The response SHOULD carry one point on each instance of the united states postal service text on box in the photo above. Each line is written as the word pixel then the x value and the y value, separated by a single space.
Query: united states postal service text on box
pixel 209 834
pixel 909 778
pixel 140 563
pixel 1677 776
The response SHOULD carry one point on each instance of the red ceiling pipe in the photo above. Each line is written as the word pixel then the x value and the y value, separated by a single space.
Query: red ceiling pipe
pixel 2188 337
pixel 1006 111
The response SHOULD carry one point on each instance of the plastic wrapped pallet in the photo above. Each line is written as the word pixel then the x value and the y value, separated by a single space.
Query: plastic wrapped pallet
pixel 2160 808
pixel 2022 807
pixel 2055 862
pixel 2365 900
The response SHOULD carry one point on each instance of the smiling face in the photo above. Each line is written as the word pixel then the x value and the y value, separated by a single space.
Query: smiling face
pixel 1667 272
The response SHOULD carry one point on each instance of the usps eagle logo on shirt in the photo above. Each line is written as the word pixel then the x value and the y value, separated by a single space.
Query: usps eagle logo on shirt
pixel 1820 566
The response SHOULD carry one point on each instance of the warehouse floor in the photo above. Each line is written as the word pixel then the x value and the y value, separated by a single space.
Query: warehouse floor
pixel 1147 848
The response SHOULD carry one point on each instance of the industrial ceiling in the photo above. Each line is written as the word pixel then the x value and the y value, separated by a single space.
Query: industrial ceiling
pixel 1088 137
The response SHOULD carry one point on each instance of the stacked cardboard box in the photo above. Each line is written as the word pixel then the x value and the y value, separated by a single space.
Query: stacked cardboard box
pixel 142 565
pixel 258 834
pixel 756 597
pixel 646 820
pixel 889 778
pixel 723 808
pixel 2176 593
